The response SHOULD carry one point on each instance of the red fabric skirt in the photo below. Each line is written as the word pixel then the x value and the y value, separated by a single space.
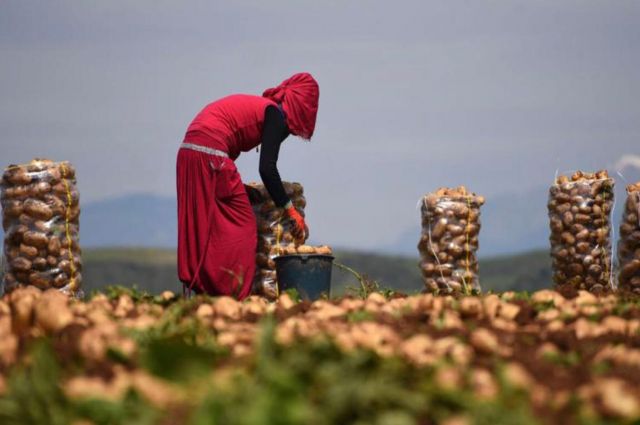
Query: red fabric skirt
pixel 217 233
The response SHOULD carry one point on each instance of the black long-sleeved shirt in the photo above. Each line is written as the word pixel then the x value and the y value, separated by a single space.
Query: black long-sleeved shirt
pixel 274 131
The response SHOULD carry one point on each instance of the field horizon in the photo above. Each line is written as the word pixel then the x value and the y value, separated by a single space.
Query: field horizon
pixel 154 270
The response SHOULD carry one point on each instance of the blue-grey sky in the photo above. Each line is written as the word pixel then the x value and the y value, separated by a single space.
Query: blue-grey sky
pixel 496 95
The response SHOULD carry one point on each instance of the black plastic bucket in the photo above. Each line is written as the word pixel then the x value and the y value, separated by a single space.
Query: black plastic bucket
pixel 309 275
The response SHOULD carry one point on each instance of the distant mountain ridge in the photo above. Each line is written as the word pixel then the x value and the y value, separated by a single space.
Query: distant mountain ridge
pixel 131 220
pixel 510 223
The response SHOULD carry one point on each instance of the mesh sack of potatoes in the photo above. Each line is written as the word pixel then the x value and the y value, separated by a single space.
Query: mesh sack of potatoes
pixel 449 240
pixel 629 243
pixel 579 217
pixel 274 233
pixel 40 217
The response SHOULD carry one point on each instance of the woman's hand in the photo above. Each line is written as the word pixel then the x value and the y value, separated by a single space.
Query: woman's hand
pixel 300 230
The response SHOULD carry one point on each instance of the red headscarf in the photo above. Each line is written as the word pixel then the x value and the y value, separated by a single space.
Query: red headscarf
pixel 298 96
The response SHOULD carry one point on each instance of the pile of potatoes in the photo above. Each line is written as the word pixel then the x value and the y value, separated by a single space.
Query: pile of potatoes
pixel 274 233
pixel 449 240
pixel 40 218
pixel 629 245
pixel 580 219
pixel 292 249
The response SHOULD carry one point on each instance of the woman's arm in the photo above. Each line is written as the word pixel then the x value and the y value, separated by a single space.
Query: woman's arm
pixel 274 131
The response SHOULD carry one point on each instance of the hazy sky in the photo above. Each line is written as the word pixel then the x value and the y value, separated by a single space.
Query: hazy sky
pixel 497 95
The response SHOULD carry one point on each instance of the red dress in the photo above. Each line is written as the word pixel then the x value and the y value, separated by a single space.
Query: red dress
pixel 217 233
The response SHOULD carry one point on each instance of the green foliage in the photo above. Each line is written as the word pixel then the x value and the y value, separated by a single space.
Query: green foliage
pixel 522 296
pixel 360 316
pixel 310 382
pixel 178 323
pixel 35 397
pixel 131 410
pixel 315 383
pixel 569 359
pixel 294 294
pixel 547 305
pixel 365 286
pixel 114 291
pixel 601 367
pixel 174 360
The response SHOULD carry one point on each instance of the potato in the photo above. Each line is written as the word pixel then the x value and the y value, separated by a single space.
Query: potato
pixel 60 280
pixel 290 249
pixel 69 242
pixel 65 266
pixel 567 219
pixel 38 209
pixel 324 250
pixel 57 205
pixel 287 238
pixel 54 245
pixel 296 190
pixel 39 189
pixel 557 226
pixel 306 249
pixel 17 192
pixel 455 250
pixel 263 226
pixel 60 189
pixel 74 213
pixel 37 239
pixel 274 215
pixel 438 230
pixel 40 280
pixel 455 230
pixel 582 218
pixel 20 264
pixel 12 208
pixel 39 164
pixel 9 279
pixel 39 263
pixel 28 251
pixel 53 175
pixel 18 176
pixel 267 207
pixel 67 170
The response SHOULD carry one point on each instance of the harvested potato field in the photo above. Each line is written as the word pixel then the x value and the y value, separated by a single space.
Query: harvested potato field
pixel 125 357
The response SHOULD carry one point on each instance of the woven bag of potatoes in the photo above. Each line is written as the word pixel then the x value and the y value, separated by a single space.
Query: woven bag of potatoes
pixel 274 233
pixel 629 243
pixel 40 218
pixel 580 208
pixel 449 242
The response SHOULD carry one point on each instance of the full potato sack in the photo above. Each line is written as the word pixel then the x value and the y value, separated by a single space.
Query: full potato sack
pixel 40 217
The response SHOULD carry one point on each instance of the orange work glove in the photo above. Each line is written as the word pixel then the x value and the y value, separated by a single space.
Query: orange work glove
pixel 300 229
